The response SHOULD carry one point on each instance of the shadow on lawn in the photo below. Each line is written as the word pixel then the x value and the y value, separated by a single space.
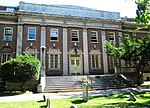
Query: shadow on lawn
pixel 10 93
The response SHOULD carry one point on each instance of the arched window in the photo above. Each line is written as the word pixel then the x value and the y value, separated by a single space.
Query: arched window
pixel 95 59
pixel 32 51
pixel 54 58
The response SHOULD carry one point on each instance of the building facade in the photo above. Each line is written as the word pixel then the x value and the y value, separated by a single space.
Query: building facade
pixel 68 40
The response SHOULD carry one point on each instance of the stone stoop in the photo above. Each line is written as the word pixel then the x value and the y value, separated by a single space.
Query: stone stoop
pixel 74 83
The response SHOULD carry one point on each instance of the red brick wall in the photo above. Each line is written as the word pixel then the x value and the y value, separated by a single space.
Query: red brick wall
pixel 59 45
pixel 11 44
pixel 98 47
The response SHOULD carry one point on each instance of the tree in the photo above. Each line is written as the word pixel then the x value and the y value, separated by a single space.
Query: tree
pixel 21 69
pixel 143 11
pixel 134 51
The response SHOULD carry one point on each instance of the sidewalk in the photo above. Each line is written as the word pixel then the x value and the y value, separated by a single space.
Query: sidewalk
pixel 27 97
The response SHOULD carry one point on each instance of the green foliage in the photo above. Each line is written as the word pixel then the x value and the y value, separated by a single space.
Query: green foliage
pixel 143 11
pixel 21 69
pixel 135 51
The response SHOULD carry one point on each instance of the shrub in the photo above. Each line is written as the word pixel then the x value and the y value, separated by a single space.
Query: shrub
pixel 21 69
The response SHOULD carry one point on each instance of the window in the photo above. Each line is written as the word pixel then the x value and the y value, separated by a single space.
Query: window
pixel 54 34
pixel 54 59
pixel 31 33
pixel 112 62
pixel 75 35
pixel 8 33
pixel 5 57
pixel 94 37
pixel 95 59
pixel 111 37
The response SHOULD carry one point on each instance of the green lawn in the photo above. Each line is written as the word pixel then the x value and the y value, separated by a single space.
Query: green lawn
pixel 110 101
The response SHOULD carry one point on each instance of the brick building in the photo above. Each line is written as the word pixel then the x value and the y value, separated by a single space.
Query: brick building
pixel 69 40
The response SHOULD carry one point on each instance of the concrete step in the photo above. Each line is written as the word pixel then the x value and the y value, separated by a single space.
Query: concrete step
pixel 60 83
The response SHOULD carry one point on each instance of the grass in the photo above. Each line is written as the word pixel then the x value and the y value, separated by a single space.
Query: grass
pixel 110 101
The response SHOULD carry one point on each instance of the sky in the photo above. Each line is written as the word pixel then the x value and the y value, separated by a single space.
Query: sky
pixel 125 7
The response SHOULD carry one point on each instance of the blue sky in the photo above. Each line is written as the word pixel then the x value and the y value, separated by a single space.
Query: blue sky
pixel 125 7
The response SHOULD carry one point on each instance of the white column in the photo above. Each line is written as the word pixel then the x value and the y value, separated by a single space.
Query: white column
pixel 43 46
pixel 41 86
pixel 65 52
pixel 105 62
pixel 120 43
pixel 85 49
pixel 19 39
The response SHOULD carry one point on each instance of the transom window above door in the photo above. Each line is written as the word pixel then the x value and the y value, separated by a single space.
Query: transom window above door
pixel 75 36
pixel 31 33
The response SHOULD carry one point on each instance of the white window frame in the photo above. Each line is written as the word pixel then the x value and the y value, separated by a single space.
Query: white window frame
pixel 6 57
pixel 51 34
pixel 53 52
pixel 95 53
pixel 110 36
pixel 77 35
pixel 94 37
pixel 10 33
pixel 31 33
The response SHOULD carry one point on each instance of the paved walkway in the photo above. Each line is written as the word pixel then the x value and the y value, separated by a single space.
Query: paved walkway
pixel 30 96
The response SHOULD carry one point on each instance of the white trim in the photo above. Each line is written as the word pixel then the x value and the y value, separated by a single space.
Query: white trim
pixel 85 49
pixel 105 62
pixel 65 52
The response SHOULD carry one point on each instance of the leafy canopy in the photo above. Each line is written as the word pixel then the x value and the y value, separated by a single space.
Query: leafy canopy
pixel 21 69
pixel 132 50
pixel 143 11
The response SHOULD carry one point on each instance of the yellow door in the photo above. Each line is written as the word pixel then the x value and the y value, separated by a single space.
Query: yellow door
pixel 75 65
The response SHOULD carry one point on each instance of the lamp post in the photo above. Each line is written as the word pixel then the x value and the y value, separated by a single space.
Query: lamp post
pixel 41 86
pixel 43 60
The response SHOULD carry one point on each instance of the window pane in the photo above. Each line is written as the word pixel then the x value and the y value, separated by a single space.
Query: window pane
pixel 96 61
pixel 72 62
pixel 5 57
pixel 54 32
pixel 32 33
pixel 77 62
pixel 93 61
pixel 94 37
pixel 74 35
pixel 112 38
pixel 8 33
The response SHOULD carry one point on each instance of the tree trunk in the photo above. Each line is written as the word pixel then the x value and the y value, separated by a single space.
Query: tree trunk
pixel 139 70
pixel 22 87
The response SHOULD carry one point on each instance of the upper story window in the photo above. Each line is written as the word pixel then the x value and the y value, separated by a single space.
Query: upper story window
pixel 8 33
pixel 31 33
pixel 54 34
pixel 111 37
pixel 75 35
pixel 94 37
